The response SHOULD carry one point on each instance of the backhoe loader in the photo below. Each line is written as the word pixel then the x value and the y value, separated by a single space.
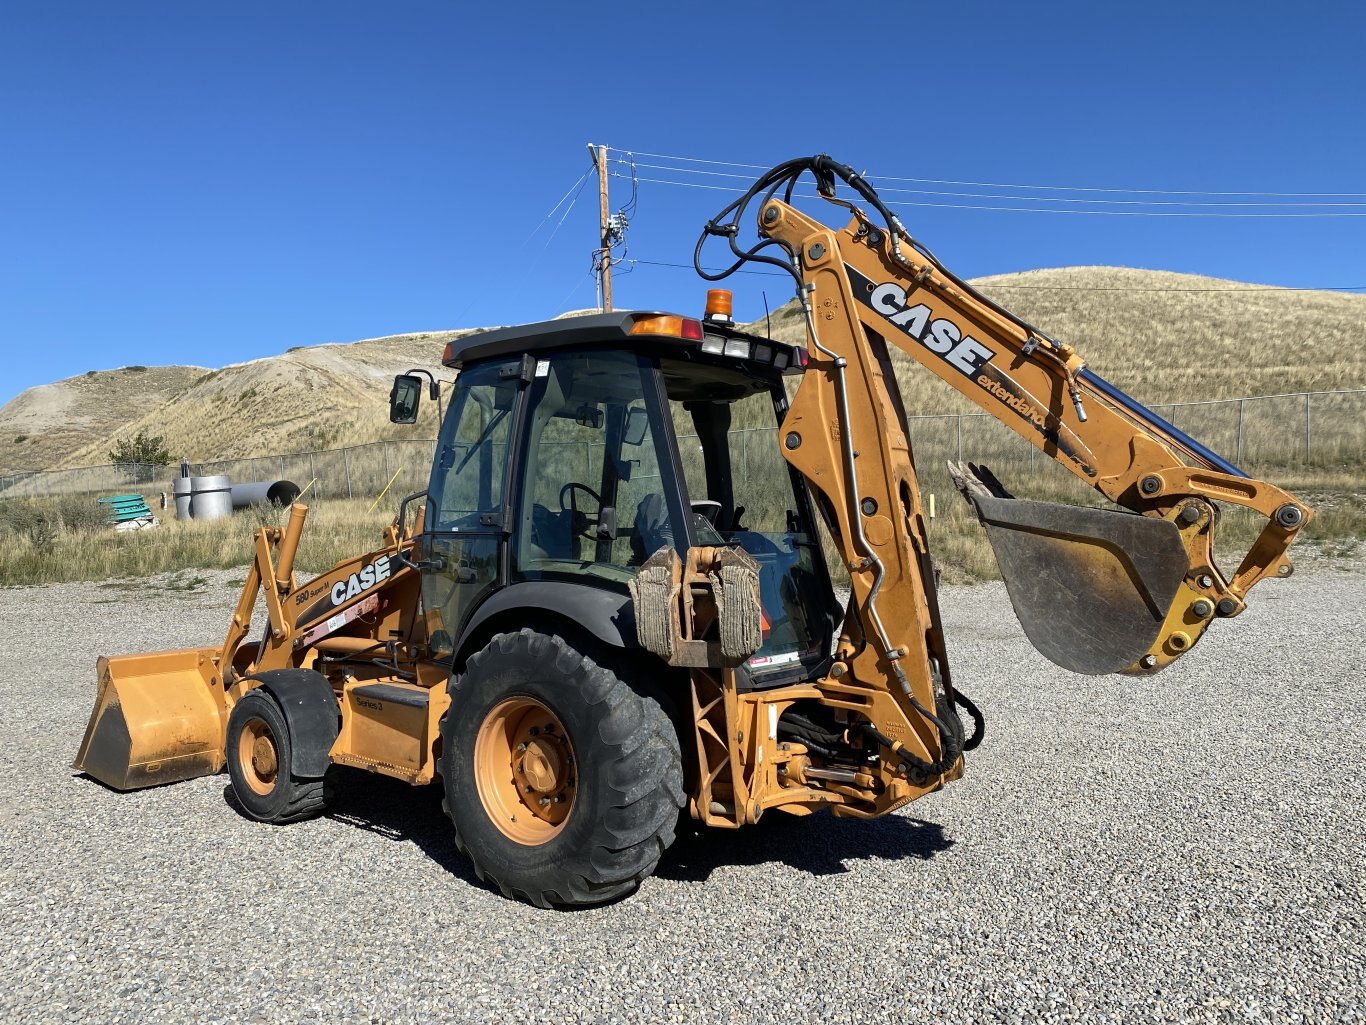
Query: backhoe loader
pixel 612 603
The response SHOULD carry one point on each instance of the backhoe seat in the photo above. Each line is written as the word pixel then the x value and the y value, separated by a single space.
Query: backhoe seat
pixel 551 535
pixel 653 530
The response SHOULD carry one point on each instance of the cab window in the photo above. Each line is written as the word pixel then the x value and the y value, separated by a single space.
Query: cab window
pixel 593 498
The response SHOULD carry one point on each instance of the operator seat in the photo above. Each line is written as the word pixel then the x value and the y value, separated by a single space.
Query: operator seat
pixel 653 530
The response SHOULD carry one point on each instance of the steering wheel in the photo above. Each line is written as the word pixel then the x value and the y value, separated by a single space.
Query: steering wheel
pixel 579 521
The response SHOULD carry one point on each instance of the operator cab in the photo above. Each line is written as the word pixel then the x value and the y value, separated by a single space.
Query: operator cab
pixel 576 449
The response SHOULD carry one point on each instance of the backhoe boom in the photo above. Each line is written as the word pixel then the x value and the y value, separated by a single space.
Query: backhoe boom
pixel 848 434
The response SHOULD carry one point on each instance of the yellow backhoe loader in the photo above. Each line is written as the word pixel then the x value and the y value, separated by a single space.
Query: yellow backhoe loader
pixel 611 603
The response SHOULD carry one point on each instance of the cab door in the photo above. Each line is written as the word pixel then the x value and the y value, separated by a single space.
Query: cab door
pixel 467 496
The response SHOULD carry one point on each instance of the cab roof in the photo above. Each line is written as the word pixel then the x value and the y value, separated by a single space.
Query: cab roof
pixel 612 329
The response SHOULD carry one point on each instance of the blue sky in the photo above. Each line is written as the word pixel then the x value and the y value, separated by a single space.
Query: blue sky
pixel 207 183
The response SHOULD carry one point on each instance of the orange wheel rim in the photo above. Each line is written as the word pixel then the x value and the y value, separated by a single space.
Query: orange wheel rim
pixel 258 756
pixel 524 770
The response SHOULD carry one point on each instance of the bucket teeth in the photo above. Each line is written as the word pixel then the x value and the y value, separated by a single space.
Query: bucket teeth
pixel 971 479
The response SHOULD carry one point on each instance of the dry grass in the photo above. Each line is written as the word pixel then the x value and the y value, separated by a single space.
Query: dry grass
pixel 67 545
pixel 1189 339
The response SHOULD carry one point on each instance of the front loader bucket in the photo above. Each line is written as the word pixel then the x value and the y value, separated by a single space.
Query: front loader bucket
pixel 1091 587
pixel 157 719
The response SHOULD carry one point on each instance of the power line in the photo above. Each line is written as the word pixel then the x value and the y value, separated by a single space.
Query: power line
pixel 1036 210
pixel 567 210
pixel 690 267
pixel 1014 199
pixel 1008 185
pixel 577 185
pixel 1073 288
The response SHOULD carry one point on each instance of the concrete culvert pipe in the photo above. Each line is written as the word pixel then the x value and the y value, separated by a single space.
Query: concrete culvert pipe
pixel 181 487
pixel 278 493
pixel 210 498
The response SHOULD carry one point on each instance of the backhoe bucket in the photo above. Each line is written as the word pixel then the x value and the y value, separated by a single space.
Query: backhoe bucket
pixel 1091 587
pixel 157 719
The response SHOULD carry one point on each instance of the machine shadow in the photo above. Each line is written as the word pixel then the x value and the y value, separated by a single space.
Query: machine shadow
pixel 818 844
pixel 392 809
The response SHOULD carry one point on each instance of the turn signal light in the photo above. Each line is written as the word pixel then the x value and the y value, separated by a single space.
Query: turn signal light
pixel 446 354
pixel 664 324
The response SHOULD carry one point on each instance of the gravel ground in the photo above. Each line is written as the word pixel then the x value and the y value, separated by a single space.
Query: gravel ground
pixel 1186 848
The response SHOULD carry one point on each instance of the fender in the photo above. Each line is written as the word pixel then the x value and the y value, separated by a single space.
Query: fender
pixel 607 615
pixel 311 712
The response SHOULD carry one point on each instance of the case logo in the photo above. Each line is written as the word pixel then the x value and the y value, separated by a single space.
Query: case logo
pixel 357 583
pixel 940 335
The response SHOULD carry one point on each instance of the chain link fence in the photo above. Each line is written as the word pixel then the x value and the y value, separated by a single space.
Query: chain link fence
pixel 1323 430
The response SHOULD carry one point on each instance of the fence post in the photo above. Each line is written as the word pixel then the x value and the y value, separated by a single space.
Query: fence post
pixel 386 459
pixel 960 437
pixel 346 462
pixel 1238 445
pixel 1308 451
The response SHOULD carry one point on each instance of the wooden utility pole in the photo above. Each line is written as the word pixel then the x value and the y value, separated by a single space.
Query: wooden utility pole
pixel 605 252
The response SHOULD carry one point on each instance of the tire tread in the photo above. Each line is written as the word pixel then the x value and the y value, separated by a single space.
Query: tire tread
pixel 646 779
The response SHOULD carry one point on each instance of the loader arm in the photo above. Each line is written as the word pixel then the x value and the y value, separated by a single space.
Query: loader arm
pixel 1098 591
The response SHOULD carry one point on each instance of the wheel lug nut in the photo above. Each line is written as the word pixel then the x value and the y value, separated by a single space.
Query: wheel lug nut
pixel 521 748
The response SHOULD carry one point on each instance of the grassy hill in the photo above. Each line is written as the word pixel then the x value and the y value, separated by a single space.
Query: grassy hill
pixel 42 426
pixel 1166 337
pixel 1161 336
pixel 318 397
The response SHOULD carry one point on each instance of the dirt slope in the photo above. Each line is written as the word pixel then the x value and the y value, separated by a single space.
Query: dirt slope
pixel 44 425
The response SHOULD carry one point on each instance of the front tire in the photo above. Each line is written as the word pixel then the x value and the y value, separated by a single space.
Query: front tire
pixel 563 782
pixel 261 764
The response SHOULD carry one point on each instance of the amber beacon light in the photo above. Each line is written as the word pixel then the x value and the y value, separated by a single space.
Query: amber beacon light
pixel 719 305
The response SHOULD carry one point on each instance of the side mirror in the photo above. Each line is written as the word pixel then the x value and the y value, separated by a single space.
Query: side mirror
pixel 404 398
pixel 637 422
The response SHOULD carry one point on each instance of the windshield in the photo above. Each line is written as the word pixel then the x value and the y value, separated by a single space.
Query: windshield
pixel 743 492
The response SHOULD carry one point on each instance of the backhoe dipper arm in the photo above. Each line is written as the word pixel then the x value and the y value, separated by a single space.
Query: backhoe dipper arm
pixel 1037 387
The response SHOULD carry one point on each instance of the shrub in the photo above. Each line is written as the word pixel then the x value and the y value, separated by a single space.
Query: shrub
pixel 38 525
pixel 81 515
pixel 141 448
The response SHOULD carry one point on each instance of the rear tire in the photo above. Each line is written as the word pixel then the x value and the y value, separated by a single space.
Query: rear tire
pixel 261 761
pixel 563 782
